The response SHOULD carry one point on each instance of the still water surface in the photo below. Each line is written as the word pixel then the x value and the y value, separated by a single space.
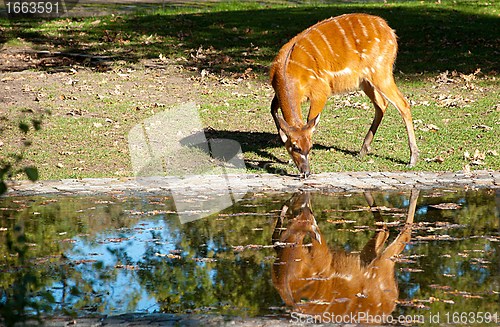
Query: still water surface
pixel 268 255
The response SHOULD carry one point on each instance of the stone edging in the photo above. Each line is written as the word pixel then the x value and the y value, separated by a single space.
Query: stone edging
pixel 242 183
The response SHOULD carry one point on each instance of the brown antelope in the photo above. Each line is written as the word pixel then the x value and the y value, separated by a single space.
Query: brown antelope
pixel 314 279
pixel 340 54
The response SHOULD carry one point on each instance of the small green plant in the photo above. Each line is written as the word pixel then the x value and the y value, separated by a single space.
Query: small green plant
pixel 11 164
pixel 21 300
pixel 17 300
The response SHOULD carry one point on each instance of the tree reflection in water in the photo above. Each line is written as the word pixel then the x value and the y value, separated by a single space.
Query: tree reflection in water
pixel 116 254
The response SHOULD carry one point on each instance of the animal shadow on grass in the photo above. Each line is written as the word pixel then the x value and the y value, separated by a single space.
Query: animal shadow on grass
pixel 260 143
pixel 356 153
pixel 256 142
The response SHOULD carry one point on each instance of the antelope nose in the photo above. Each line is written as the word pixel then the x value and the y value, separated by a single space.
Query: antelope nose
pixel 304 168
pixel 305 171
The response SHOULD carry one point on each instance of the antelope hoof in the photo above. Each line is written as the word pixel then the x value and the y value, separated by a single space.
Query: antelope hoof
pixel 364 150
pixel 413 161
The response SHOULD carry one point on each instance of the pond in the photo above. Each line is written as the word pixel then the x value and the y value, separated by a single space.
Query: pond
pixel 415 255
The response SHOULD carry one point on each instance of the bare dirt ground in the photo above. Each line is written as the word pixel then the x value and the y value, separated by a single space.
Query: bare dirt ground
pixel 98 102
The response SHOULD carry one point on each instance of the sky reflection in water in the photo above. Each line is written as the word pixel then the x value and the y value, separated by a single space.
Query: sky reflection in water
pixel 112 255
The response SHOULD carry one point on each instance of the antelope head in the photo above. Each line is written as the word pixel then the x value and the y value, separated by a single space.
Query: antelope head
pixel 298 142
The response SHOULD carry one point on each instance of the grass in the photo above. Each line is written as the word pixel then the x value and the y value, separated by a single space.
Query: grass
pixel 218 53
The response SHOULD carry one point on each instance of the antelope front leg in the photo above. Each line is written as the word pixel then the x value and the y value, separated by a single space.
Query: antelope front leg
pixel 379 114
pixel 380 104
pixel 275 105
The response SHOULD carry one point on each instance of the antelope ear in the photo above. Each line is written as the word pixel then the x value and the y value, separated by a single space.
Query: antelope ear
pixel 312 123
pixel 283 136
pixel 284 127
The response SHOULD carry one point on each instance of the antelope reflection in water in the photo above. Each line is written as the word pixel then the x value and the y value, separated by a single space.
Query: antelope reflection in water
pixel 314 279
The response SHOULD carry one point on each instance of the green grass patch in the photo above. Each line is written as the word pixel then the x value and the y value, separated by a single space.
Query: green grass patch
pixel 220 52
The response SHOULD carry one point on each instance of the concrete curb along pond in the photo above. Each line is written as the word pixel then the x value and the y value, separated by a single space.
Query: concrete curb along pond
pixel 242 183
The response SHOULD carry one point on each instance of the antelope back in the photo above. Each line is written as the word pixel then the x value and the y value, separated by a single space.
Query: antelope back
pixel 334 56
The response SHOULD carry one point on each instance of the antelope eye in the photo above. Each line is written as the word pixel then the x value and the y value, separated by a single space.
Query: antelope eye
pixel 296 149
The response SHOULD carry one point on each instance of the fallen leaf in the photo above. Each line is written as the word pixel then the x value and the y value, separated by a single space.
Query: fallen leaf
pixel 443 78
pixel 435 159
pixel 477 162
pixel 204 259
pixel 446 206
pixel 116 240
pixel 78 262
pixel 127 267
pixel 406 269
pixel 429 128
pixel 437 238
pixel 479 155
pixel 483 127
pixel 340 221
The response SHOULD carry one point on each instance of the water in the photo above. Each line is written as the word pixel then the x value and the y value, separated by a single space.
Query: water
pixel 268 255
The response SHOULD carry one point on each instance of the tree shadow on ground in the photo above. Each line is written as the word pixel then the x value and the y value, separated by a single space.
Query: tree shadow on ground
pixel 430 38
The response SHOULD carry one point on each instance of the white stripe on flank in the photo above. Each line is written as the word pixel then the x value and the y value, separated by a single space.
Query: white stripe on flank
pixel 301 65
pixel 344 35
pixel 325 39
pixel 353 31
pixel 301 47
pixel 323 79
pixel 345 71
pixel 373 28
pixel 363 27
pixel 375 49
pixel 315 48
